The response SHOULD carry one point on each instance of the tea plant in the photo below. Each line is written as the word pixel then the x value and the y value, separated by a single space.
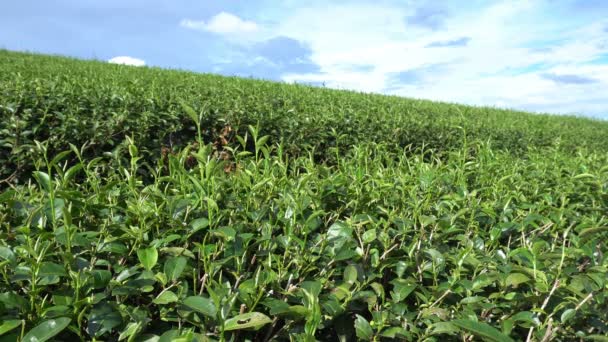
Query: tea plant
pixel 62 101
pixel 240 220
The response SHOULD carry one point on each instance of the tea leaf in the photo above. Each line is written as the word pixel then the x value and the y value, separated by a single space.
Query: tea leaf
pixel 363 329
pixel 350 274
pixel 46 330
pixel 174 267
pixel 9 325
pixel 567 314
pixel 515 279
pixel 165 298
pixel 251 320
pixel 102 319
pixel 482 330
pixel 148 257
pixel 201 305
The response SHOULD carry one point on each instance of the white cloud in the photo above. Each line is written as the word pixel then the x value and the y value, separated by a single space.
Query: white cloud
pixel 126 60
pixel 222 23
pixel 502 38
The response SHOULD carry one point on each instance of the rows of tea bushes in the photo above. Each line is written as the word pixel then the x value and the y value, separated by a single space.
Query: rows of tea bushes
pixel 140 204
pixel 61 101
pixel 475 245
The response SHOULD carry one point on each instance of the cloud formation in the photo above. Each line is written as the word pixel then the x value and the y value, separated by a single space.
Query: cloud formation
pixel 428 17
pixel 543 55
pixel 508 52
pixel 568 79
pixel 270 59
pixel 462 41
pixel 221 23
pixel 287 53
pixel 127 60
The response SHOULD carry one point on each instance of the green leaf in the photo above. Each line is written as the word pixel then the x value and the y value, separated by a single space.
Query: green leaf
pixel 339 230
pixel 58 157
pixel 201 305
pixel 584 175
pixel 11 300
pixel 312 286
pixel 369 236
pixel 165 298
pixel 600 338
pixel 227 233
pixel 131 329
pixel 51 268
pixel 276 306
pixel 71 172
pixel 102 319
pixel 251 320
pixel 169 336
pixel 190 112
pixel 47 330
pixel 363 329
pixel 127 273
pixel 567 314
pixel 482 330
pixel 178 251
pixel 396 333
pixel 332 307
pixel 148 257
pixel 436 256
pixel 148 338
pixel 43 180
pixel 7 254
pixel 587 234
pixel 174 267
pixel 427 220
pixel 524 316
pixel 378 289
pixel 401 289
pixel 9 325
pixel 515 279
pixel 198 224
pixel 261 142
pixel 443 328
pixel 295 312
pixel 100 278
pixel 350 274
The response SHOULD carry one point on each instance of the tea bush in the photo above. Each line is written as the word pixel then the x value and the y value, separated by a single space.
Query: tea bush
pixel 150 205
pixel 62 101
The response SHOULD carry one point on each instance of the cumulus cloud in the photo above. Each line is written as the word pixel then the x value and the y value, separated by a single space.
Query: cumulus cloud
pixel 221 23
pixel 497 64
pixel 270 59
pixel 126 60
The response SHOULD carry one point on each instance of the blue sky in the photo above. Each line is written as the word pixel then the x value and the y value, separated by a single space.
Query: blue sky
pixel 545 56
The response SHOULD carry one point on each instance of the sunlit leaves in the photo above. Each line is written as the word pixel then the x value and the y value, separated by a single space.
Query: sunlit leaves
pixel 251 320
pixel 482 330
pixel 201 305
pixel 148 257
pixel 46 330
pixel 233 209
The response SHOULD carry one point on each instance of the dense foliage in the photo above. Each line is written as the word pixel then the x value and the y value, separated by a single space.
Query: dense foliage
pixel 149 205
pixel 62 101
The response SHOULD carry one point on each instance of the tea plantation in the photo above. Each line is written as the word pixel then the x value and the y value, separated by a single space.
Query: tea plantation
pixel 140 204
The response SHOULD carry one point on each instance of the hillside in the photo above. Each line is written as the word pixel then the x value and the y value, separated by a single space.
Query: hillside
pixel 144 204
pixel 62 100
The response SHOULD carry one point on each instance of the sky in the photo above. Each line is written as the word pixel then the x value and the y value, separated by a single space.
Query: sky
pixel 546 56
